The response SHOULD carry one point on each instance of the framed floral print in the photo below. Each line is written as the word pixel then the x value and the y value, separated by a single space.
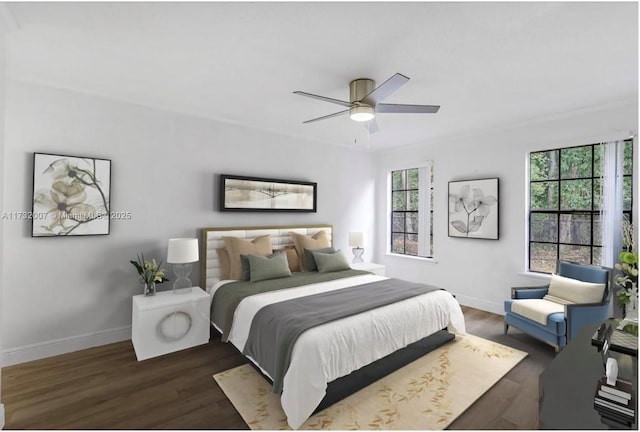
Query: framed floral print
pixel 473 209
pixel 70 195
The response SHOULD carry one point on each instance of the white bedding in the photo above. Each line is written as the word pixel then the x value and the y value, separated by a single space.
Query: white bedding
pixel 330 351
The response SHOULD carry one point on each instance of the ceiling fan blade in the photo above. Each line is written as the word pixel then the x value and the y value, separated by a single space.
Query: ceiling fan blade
pixel 372 126
pixel 339 113
pixel 324 98
pixel 385 89
pixel 407 109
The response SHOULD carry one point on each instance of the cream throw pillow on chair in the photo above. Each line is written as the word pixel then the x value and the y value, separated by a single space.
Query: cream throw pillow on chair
pixel 574 291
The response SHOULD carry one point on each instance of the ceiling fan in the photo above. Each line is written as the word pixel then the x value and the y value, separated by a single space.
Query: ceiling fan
pixel 365 101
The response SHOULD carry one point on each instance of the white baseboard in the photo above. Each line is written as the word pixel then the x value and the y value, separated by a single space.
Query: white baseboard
pixel 496 308
pixel 37 351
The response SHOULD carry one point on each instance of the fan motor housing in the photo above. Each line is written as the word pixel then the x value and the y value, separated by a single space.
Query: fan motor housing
pixel 359 88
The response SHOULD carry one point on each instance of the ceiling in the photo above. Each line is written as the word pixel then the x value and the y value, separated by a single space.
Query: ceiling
pixel 487 64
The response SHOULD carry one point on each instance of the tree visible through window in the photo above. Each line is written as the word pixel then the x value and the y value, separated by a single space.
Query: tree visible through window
pixel 564 220
pixel 412 211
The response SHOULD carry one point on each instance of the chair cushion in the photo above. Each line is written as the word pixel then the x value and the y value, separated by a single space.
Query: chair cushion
pixel 575 291
pixel 537 310
pixel 556 323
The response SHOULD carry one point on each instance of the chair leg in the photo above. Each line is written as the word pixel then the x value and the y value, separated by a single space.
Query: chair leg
pixel 506 327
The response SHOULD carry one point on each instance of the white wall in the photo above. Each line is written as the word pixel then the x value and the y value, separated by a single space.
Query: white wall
pixel 7 25
pixel 4 28
pixel 68 293
pixel 481 272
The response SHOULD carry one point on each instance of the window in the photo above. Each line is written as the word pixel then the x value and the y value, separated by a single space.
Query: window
pixel 412 211
pixel 564 204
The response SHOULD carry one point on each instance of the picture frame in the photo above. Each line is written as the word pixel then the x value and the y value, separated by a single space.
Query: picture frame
pixel 71 196
pixel 258 194
pixel 474 209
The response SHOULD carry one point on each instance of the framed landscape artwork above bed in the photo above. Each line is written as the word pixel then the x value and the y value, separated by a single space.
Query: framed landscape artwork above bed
pixel 266 195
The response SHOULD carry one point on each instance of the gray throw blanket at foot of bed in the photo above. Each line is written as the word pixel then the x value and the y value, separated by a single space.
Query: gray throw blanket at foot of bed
pixel 276 327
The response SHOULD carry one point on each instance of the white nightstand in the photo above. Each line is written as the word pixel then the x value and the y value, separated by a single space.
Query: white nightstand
pixel 168 322
pixel 378 269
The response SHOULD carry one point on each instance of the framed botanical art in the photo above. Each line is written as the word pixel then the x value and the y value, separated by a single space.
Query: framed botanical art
pixel 266 195
pixel 473 209
pixel 70 195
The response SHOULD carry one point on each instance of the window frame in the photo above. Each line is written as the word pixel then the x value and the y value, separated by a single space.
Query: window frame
pixel 593 212
pixel 425 211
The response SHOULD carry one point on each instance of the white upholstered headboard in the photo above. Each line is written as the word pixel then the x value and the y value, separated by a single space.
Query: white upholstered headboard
pixel 280 238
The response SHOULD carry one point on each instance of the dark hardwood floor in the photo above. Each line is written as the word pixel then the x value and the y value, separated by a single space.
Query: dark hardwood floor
pixel 106 388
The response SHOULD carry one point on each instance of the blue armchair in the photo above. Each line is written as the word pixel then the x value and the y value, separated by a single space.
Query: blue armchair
pixel 555 313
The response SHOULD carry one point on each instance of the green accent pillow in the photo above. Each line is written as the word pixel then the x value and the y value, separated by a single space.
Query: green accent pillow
pixel 268 267
pixel 331 262
pixel 245 273
pixel 309 263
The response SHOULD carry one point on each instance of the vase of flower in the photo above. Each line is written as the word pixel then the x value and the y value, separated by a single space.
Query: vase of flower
pixel 627 278
pixel 150 289
pixel 150 274
pixel 631 307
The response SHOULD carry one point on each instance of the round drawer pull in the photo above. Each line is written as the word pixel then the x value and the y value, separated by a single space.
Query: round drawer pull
pixel 175 325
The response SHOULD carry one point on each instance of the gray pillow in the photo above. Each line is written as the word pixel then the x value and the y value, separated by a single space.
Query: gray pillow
pixel 331 262
pixel 309 263
pixel 245 272
pixel 268 267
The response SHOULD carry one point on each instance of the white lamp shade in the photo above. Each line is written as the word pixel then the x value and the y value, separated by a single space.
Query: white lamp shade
pixel 356 239
pixel 182 251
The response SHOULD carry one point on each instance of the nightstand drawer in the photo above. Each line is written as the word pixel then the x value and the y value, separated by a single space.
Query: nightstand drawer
pixel 164 325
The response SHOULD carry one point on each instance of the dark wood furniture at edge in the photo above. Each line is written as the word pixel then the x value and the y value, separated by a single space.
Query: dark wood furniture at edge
pixel 568 384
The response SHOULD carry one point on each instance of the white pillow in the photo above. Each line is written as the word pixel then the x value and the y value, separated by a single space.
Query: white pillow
pixel 575 291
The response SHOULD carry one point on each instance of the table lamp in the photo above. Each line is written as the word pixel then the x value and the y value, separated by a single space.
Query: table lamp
pixel 182 252
pixel 356 240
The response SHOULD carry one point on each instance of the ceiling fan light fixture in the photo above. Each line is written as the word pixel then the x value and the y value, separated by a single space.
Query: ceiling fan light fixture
pixel 365 100
pixel 362 113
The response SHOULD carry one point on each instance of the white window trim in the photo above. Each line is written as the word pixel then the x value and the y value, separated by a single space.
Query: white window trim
pixel 413 257
pixel 527 205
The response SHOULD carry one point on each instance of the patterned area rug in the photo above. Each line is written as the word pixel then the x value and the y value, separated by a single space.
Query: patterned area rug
pixel 428 393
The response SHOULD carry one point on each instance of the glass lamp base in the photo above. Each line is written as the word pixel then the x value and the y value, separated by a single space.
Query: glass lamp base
pixel 186 290
pixel 357 255
pixel 183 284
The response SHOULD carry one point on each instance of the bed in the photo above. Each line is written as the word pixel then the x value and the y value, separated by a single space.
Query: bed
pixel 330 360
